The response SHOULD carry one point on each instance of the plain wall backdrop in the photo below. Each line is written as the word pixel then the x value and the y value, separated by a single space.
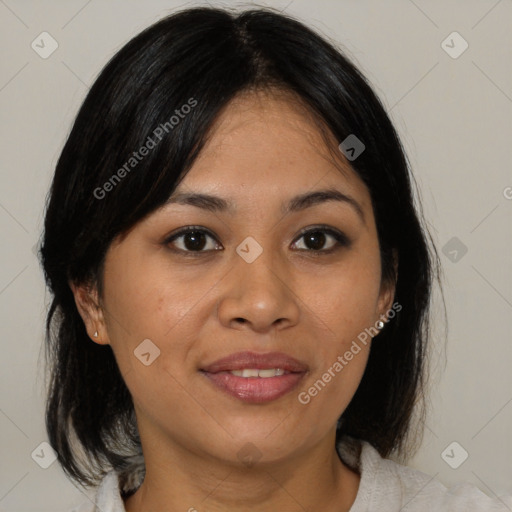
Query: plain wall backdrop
pixel 453 111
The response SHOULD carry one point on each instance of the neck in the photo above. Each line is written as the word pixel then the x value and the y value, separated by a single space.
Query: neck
pixel 178 479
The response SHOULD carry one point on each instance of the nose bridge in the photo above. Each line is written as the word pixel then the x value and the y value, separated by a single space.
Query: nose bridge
pixel 258 269
pixel 259 289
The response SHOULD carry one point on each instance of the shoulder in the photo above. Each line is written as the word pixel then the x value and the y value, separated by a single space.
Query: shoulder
pixel 387 486
pixel 108 496
pixel 115 485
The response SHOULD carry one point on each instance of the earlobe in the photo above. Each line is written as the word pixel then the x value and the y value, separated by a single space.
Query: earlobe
pixel 87 303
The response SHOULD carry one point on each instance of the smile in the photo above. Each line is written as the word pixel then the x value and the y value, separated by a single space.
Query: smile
pixel 255 372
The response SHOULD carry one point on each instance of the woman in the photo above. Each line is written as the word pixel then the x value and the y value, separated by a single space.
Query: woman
pixel 241 281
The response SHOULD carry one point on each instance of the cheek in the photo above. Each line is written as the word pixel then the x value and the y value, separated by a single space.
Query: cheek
pixel 157 303
pixel 150 299
pixel 343 309
pixel 346 302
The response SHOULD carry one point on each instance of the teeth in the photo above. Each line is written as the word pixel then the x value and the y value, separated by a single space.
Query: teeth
pixel 254 372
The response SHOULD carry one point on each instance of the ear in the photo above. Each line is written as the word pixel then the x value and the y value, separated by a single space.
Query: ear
pixel 387 290
pixel 88 305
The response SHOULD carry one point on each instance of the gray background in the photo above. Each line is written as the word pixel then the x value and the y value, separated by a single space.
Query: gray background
pixel 454 116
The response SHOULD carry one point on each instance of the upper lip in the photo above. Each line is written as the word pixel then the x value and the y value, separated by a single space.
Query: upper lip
pixel 243 360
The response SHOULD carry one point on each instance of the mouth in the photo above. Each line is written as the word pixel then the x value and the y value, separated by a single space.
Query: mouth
pixel 254 377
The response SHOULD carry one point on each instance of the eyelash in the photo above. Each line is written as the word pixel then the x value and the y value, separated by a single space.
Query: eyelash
pixel 340 238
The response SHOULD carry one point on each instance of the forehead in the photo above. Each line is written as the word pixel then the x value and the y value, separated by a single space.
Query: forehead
pixel 270 142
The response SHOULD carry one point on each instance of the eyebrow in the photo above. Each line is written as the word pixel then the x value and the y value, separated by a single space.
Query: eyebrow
pixel 298 203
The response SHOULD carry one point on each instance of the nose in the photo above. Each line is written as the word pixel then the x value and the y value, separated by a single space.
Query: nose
pixel 259 296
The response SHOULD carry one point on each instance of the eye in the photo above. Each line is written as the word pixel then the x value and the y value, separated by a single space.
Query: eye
pixel 315 239
pixel 194 239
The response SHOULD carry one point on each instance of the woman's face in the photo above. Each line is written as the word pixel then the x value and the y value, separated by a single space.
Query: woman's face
pixel 247 280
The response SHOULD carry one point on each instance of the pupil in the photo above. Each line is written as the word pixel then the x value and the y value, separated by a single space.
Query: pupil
pixel 317 238
pixel 197 240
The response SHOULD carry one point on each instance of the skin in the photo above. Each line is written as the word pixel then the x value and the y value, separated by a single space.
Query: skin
pixel 264 149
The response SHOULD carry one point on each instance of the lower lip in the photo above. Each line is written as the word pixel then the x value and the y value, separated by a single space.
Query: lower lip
pixel 255 390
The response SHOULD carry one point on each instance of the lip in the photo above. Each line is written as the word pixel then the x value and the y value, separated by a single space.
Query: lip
pixel 241 360
pixel 255 390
